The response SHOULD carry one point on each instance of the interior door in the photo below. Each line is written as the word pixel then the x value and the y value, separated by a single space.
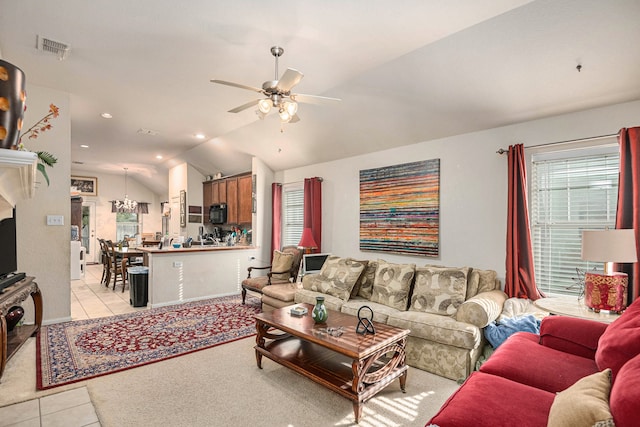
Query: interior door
pixel 89 231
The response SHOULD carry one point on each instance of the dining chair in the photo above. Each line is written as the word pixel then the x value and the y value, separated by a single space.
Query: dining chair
pixel 104 259
pixel 117 265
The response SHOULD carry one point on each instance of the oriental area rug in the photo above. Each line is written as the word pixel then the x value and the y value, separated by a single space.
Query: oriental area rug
pixel 76 351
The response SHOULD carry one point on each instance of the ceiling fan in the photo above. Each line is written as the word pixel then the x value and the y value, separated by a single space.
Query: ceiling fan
pixel 278 93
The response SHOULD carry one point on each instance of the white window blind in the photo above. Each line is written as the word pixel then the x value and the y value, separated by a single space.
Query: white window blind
pixel 567 196
pixel 292 214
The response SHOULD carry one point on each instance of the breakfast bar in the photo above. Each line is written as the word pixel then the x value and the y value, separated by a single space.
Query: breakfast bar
pixel 195 273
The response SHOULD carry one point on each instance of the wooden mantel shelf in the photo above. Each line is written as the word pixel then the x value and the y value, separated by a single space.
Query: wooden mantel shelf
pixel 17 178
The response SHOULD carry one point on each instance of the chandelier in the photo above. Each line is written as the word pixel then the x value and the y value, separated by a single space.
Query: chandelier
pixel 126 205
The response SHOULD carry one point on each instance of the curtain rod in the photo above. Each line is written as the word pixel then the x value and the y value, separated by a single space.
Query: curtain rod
pixel 590 138
pixel 302 180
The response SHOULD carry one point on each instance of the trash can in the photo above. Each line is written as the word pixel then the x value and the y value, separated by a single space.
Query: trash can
pixel 138 286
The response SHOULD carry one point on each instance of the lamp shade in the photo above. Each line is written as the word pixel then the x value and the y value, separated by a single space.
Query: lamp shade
pixel 307 241
pixel 609 246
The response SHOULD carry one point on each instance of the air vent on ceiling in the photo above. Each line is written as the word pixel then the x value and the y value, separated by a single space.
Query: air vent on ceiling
pixel 46 45
pixel 144 131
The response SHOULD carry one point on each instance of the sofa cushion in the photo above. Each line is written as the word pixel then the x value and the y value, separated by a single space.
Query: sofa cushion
pixel 381 312
pixel 487 400
pixel 284 292
pixel 586 403
pixel 482 309
pixel 437 328
pixel 356 287
pixel 337 277
pixel 392 284
pixel 620 342
pixel 521 358
pixel 281 264
pixel 309 297
pixel 439 290
pixel 625 394
pixel 365 282
pixel 571 335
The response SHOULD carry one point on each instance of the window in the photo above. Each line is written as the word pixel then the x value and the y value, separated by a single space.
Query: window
pixel 570 192
pixel 126 225
pixel 292 213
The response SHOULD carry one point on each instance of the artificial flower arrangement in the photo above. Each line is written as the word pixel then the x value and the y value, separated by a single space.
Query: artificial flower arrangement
pixel 44 158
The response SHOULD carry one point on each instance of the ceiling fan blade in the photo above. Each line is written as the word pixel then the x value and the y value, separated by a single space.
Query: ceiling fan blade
pixel 245 106
pixel 313 99
pixel 238 85
pixel 289 79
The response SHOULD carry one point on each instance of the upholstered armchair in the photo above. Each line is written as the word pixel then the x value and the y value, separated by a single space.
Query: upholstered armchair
pixel 283 269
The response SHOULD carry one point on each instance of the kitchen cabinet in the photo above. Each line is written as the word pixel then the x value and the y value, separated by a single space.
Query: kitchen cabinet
pixel 232 200
pixel 244 199
pixel 235 192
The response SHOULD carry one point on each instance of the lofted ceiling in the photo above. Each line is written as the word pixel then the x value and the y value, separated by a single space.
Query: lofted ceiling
pixel 406 72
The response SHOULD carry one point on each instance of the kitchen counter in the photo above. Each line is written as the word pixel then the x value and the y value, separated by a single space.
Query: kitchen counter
pixel 193 248
pixel 178 275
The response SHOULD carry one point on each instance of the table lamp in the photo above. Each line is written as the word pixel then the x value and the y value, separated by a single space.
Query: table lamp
pixel 608 290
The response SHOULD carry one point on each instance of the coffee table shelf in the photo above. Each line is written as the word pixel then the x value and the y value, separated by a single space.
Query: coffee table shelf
pixel 352 365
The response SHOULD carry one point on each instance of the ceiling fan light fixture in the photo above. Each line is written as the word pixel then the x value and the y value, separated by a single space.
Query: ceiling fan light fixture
pixel 291 107
pixel 284 115
pixel 264 105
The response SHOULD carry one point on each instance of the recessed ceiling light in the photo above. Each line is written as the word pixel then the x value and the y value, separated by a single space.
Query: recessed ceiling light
pixel 200 136
pixel 106 116
pixel 158 157
pixel 84 146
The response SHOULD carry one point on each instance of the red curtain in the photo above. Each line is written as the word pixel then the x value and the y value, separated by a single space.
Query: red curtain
pixel 628 212
pixel 520 281
pixel 313 209
pixel 276 216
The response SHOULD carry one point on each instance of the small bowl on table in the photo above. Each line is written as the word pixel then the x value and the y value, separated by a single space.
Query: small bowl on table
pixel 177 245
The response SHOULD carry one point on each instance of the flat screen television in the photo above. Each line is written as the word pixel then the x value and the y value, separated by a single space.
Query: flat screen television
pixel 312 263
pixel 8 257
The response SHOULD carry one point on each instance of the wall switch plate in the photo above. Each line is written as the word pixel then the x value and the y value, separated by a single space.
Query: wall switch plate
pixel 177 264
pixel 55 220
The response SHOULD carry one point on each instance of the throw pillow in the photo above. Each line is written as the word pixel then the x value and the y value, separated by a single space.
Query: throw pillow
pixel 281 265
pixel 392 284
pixel 620 342
pixel 586 403
pixel 366 280
pixel 439 290
pixel 356 287
pixel 338 276
pixel 487 280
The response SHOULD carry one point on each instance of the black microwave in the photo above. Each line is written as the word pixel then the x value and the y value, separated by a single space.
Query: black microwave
pixel 218 214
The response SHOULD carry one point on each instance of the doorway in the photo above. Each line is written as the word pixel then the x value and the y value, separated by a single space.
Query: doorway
pixel 88 232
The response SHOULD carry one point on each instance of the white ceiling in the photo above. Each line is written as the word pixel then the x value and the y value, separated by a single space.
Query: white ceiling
pixel 406 71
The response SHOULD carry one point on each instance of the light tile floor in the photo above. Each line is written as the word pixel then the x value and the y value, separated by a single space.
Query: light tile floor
pixel 89 299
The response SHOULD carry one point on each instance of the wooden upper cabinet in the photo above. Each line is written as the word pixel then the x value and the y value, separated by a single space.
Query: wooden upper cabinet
pixel 235 192
pixel 232 198
pixel 244 199
pixel 222 192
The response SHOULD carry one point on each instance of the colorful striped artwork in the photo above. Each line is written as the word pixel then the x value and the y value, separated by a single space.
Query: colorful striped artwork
pixel 400 208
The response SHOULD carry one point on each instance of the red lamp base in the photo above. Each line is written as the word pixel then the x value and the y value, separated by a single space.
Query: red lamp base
pixel 606 291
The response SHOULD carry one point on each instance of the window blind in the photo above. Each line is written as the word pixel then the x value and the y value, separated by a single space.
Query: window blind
pixel 292 215
pixel 567 196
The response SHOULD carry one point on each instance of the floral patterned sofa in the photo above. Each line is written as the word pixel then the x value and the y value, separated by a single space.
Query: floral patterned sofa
pixel 445 308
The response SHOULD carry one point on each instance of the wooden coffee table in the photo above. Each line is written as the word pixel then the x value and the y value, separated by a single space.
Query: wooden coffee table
pixel 353 365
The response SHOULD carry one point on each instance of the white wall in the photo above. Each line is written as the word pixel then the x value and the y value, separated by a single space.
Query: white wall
pixel 261 231
pixel 44 251
pixel 184 177
pixel 473 185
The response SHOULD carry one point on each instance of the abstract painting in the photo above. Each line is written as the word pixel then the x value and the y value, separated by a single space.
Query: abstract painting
pixel 400 208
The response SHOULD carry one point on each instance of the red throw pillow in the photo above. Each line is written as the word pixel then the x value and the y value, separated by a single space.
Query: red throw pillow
pixel 624 400
pixel 620 342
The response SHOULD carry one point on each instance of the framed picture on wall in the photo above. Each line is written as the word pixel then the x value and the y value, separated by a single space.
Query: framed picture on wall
pixel 86 185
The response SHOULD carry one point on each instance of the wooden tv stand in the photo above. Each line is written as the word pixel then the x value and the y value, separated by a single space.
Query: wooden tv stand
pixel 14 295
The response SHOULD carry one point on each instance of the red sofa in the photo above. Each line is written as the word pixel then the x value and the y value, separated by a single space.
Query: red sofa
pixel 520 383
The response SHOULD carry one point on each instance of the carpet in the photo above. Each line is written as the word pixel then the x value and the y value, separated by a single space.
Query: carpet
pixel 76 351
